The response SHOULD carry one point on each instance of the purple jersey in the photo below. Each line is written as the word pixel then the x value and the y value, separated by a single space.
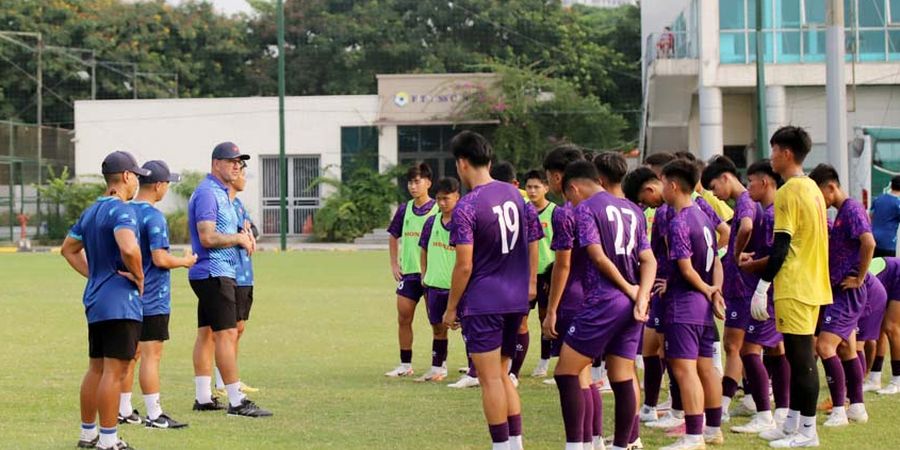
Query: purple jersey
pixel 495 220
pixel 565 238
pixel 761 241
pixel 691 236
pixel 618 226
pixel 395 229
pixel 738 289
pixel 658 233
pixel 890 277
pixel 843 240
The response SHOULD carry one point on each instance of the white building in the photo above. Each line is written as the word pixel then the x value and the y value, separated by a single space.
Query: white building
pixel 700 90
pixel 600 3
pixel 409 120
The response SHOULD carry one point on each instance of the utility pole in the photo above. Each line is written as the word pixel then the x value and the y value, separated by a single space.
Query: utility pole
pixel 282 158
pixel 762 132
pixel 40 107
pixel 836 89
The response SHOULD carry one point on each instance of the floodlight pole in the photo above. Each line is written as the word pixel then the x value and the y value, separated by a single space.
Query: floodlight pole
pixel 762 132
pixel 40 107
pixel 836 88
pixel 282 159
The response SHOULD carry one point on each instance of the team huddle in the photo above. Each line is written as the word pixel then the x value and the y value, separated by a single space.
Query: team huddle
pixel 638 266
pixel 121 245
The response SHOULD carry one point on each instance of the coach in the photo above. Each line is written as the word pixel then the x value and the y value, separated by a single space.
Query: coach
pixel 215 238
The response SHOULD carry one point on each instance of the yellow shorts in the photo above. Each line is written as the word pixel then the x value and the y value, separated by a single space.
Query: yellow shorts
pixel 794 317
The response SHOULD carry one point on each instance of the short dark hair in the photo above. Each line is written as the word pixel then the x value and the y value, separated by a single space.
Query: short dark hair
pixel 419 170
pixel 659 159
pixel 895 183
pixel 612 166
pixel 635 181
pixel 447 185
pixel 794 138
pixel 579 170
pixel 682 171
pixel 823 174
pixel 719 166
pixel 685 155
pixel 503 171
pixel 561 156
pixel 472 147
pixel 535 174
pixel 764 167
pixel 111 178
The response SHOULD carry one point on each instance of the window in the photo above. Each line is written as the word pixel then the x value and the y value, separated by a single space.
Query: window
pixel 788 14
pixel 813 46
pixel 359 148
pixel 731 15
pixel 895 11
pixel 871 13
pixel 815 12
pixel 871 45
pixel 732 48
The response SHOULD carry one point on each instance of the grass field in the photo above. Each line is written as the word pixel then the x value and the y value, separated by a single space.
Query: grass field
pixel 322 334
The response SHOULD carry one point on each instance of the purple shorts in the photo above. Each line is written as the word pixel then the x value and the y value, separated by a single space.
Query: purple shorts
pixel 436 304
pixel 737 313
pixel 543 291
pixel 763 333
pixel 869 327
pixel 841 317
pixel 410 286
pixel 606 328
pixel 656 312
pixel 563 322
pixel 685 341
pixel 486 333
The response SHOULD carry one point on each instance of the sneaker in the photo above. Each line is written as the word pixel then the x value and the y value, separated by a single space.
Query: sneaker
pixel 401 371
pixel 89 444
pixel 795 440
pixel 667 421
pixel 686 443
pixel 165 422
pixel 726 416
pixel 744 408
pixel 776 434
pixel 134 418
pixel 434 374
pixel 463 369
pixel 665 406
pixel 780 416
pixel 247 389
pixel 550 381
pixel 465 382
pixel 648 414
pixel 514 379
pixel 248 409
pixel 837 418
pixel 713 437
pixel 857 413
pixel 676 431
pixel 220 392
pixel 120 445
pixel 757 425
pixel 211 406
pixel 872 385
pixel 540 370
pixel 891 389
pixel 636 445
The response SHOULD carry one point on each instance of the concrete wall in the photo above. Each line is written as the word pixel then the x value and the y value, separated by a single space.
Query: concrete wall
pixel 875 106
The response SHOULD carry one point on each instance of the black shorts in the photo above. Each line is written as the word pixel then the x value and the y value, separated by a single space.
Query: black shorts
pixel 884 253
pixel 115 339
pixel 155 328
pixel 217 306
pixel 244 298
pixel 543 291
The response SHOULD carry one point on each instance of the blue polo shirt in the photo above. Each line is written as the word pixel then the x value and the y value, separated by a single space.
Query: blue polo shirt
pixel 157 281
pixel 108 295
pixel 245 265
pixel 885 219
pixel 210 203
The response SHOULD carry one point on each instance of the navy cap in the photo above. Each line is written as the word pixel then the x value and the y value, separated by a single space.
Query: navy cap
pixel 228 150
pixel 159 172
pixel 118 162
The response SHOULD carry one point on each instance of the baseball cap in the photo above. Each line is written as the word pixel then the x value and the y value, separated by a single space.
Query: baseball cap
pixel 228 150
pixel 159 172
pixel 119 161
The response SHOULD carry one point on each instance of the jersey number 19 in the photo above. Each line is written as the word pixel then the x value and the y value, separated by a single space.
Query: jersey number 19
pixel 508 219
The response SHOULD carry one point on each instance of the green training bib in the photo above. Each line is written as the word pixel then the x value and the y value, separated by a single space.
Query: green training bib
pixel 545 255
pixel 409 239
pixel 441 256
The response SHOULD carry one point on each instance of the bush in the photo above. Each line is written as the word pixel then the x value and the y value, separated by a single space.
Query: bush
pixel 359 205
pixel 189 181
pixel 178 227
pixel 65 200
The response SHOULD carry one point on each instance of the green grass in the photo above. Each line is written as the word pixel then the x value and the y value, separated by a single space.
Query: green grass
pixel 322 334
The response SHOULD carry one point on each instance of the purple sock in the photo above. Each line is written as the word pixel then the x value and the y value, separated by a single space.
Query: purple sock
pixel 572 404
pixel 759 381
pixel 624 408
pixel 545 347
pixel 878 364
pixel 693 424
pixel 597 400
pixel 473 372
pixel 834 375
pixel 675 393
pixel 515 425
pixel 714 417
pixel 895 368
pixel 781 381
pixel 521 350
pixel 499 432
pixel 729 387
pixel 652 380
pixel 854 374
pixel 635 429
pixel 438 352
pixel 587 430
pixel 405 356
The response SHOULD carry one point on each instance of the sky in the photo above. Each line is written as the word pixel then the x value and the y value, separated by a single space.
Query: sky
pixel 226 6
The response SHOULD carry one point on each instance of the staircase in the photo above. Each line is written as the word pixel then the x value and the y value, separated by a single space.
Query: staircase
pixel 378 236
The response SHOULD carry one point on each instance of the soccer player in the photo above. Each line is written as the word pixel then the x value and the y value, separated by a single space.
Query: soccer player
pixel 888 271
pixel 868 330
pixel 798 265
pixel 405 230
pixel 617 282
pixel 537 186
pixel 496 252
pixel 437 260
pixel 692 298
pixel 215 235
pixel 157 298
pixel 885 215
pixel 761 334
pixel 850 249
pixel 103 247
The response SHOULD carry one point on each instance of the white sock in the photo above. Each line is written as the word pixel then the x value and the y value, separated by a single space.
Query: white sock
pixel 125 408
pixel 874 377
pixel 219 383
pixel 895 379
pixel 596 374
pixel 202 389
pixel 839 410
pixel 598 441
pixel 792 421
pixel 88 432
pixel 571 446
pixel 108 437
pixel 235 396
pixel 515 443
pixel 694 438
pixel 501 446
pixel 808 426
pixel 436 369
pixel 677 413
pixel 766 415
pixel 726 402
pixel 639 362
pixel 151 401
